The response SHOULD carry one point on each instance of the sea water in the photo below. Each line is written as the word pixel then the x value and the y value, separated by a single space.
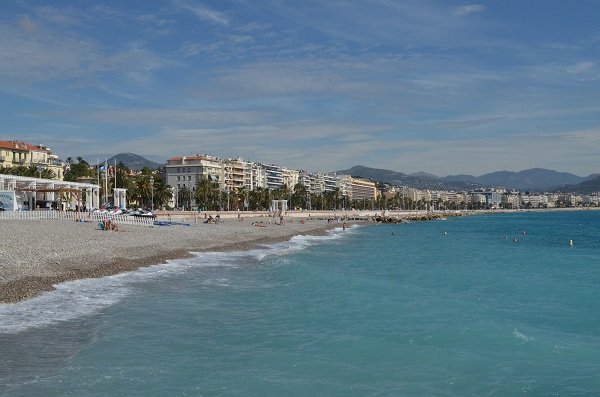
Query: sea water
pixel 488 305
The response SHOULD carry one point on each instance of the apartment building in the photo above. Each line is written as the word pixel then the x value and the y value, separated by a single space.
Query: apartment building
pixel 359 189
pixel 15 154
pixel 329 182
pixel 273 176
pixel 238 175
pixel 259 177
pixel 290 178
pixel 186 171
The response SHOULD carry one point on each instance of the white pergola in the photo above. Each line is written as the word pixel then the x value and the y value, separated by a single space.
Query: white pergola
pixel 279 205
pixel 37 189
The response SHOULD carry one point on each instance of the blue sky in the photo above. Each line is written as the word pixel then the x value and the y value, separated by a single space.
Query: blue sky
pixel 438 86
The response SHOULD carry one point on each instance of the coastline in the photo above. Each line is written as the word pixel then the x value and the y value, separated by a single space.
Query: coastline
pixel 38 254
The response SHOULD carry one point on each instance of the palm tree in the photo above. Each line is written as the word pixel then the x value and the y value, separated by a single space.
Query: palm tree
pixel 238 197
pixel 81 160
pixel 47 174
pixel 123 180
pixel 203 193
pixel 257 198
pixel 162 193
pixel 299 195
pixel 184 196
pixel 144 189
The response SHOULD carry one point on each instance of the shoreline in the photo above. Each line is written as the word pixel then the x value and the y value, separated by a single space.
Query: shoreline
pixel 37 254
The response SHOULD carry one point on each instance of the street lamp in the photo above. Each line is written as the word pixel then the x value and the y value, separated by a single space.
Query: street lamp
pixel 152 187
pixel 190 194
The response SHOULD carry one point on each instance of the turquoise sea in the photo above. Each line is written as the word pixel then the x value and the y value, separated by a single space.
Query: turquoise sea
pixel 438 308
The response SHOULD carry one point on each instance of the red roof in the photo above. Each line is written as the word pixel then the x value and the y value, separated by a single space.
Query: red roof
pixel 22 146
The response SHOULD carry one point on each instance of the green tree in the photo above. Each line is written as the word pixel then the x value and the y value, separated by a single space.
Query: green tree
pixel 79 170
pixel 144 190
pixel 184 196
pixel 299 196
pixel 123 179
pixel 257 199
pixel 237 199
pixel 204 195
pixel 162 193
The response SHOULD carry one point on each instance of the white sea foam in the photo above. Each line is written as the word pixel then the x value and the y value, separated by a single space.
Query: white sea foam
pixel 80 298
pixel 70 300
pixel 521 336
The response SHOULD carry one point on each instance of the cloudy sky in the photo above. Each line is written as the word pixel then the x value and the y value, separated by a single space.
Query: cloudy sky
pixel 441 86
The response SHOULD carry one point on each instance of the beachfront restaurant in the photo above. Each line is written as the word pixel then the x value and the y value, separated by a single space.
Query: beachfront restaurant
pixel 25 193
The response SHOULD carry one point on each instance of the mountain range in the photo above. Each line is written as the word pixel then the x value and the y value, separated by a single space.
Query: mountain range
pixel 535 179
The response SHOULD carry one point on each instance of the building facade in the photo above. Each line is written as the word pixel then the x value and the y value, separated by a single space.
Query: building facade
pixel 15 154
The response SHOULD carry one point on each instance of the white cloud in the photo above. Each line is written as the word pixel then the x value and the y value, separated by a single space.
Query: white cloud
pixel 580 67
pixel 203 12
pixel 468 9
pixel 42 57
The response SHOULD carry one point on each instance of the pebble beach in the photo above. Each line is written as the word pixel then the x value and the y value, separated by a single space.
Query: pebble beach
pixel 37 254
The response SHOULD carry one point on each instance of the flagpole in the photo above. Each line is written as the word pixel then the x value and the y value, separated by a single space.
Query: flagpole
pixel 105 180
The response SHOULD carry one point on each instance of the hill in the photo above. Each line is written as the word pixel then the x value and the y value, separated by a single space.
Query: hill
pixel 588 186
pixel 133 161
pixel 534 179
pixel 418 181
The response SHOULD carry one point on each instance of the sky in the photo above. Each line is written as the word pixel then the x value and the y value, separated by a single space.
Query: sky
pixel 440 86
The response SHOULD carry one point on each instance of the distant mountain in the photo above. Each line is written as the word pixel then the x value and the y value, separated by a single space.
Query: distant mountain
pixel 133 161
pixel 534 179
pixel 588 186
pixel 399 179
pixel 423 174
pixel 460 177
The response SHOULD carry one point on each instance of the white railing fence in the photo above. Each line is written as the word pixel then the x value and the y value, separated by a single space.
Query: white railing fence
pixel 77 217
